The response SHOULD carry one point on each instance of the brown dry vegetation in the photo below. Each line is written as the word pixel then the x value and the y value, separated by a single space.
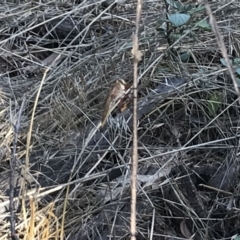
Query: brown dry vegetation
pixel 75 182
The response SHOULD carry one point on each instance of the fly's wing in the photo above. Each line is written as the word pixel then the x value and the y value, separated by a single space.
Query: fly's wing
pixel 106 111
pixel 114 95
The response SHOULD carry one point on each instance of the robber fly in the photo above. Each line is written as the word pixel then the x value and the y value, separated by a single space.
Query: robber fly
pixel 116 93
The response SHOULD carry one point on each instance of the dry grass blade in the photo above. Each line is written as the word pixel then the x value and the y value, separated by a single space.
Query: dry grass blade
pixel 13 164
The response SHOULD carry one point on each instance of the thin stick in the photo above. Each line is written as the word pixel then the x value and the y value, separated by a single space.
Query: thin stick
pixel 137 58
pixel 13 164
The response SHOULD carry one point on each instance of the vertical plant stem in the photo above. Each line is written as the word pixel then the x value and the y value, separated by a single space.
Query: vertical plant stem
pixel 137 57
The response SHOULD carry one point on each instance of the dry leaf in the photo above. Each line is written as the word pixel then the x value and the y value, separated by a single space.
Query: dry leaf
pixel 184 229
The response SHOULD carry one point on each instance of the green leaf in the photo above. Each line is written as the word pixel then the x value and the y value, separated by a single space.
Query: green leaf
pixel 185 8
pixel 238 72
pixel 214 103
pixel 179 6
pixel 238 81
pixel 196 10
pixel 223 61
pixel 175 36
pixel 178 19
pixel 185 56
pixel 236 61
pixel 174 4
pixel 204 25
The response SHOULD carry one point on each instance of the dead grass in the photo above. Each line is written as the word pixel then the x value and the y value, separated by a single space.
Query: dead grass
pixel 77 185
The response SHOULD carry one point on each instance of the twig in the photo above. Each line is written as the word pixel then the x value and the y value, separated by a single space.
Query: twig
pixel 13 161
pixel 222 47
pixel 137 57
